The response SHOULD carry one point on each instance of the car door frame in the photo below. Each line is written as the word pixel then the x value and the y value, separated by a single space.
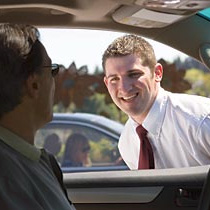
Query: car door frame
pixel 144 189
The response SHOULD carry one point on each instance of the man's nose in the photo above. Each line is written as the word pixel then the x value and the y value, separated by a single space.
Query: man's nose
pixel 125 85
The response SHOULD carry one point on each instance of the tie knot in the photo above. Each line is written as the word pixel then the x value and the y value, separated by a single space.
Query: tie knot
pixel 141 130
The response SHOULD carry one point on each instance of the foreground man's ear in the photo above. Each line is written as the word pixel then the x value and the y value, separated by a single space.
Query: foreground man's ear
pixel 33 85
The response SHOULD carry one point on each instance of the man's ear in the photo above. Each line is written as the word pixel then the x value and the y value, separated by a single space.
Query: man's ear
pixel 105 81
pixel 158 72
pixel 33 85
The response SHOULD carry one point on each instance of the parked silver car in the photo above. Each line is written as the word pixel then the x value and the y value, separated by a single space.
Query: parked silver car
pixel 98 146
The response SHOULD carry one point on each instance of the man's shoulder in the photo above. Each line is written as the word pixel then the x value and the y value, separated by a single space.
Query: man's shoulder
pixel 188 107
pixel 6 152
pixel 10 160
pixel 185 96
pixel 192 104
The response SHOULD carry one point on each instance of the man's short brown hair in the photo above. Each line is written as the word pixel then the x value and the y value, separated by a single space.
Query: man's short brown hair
pixel 128 45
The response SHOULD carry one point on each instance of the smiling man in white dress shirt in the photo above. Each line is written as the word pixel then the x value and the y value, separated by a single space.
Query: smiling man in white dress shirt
pixel 178 125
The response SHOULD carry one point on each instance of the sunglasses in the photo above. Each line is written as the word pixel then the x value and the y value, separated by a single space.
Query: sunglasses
pixel 54 68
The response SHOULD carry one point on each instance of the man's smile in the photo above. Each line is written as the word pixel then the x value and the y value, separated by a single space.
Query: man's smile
pixel 129 98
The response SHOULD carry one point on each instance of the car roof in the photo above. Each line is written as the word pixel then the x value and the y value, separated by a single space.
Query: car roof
pixel 183 29
pixel 93 119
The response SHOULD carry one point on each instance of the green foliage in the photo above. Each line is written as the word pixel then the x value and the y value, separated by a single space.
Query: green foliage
pixel 96 104
pixel 100 151
pixel 200 82
pixel 60 108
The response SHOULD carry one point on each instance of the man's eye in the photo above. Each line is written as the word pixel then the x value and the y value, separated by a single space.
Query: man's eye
pixel 114 79
pixel 135 74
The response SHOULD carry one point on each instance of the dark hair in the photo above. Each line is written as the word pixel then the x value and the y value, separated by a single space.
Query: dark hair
pixel 20 56
pixel 52 144
pixel 128 45
pixel 73 143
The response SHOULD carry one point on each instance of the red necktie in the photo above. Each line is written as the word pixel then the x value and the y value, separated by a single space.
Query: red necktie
pixel 146 158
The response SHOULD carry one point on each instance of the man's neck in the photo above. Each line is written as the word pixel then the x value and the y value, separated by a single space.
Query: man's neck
pixel 21 126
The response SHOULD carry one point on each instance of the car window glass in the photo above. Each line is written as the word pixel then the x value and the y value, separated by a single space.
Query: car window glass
pixel 80 88
pixel 98 150
pixel 85 47
pixel 80 52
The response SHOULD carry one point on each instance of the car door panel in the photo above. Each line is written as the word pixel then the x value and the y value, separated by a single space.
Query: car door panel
pixel 145 189
pixel 115 195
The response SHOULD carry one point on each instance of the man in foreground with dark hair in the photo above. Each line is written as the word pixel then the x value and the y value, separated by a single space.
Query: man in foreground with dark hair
pixel 30 178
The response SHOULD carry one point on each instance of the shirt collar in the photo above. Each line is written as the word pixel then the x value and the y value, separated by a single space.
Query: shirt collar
pixel 19 144
pixel 154 119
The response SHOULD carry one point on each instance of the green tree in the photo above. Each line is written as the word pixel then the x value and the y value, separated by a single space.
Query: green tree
pixel 100 151
pixel 96 104
pixel 200 82
pixel 61 108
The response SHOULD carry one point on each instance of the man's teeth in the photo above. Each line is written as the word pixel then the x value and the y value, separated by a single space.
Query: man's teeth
pixel 129 97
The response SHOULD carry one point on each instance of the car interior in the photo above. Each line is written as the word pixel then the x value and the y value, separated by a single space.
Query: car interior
pixel 181 24
pixel 160 20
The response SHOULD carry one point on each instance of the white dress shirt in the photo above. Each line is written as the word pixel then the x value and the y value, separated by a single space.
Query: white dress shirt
pixel 178 128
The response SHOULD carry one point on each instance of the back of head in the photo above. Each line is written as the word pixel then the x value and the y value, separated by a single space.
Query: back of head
pixel 128 45
pixel 20 56
pixel 52 144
